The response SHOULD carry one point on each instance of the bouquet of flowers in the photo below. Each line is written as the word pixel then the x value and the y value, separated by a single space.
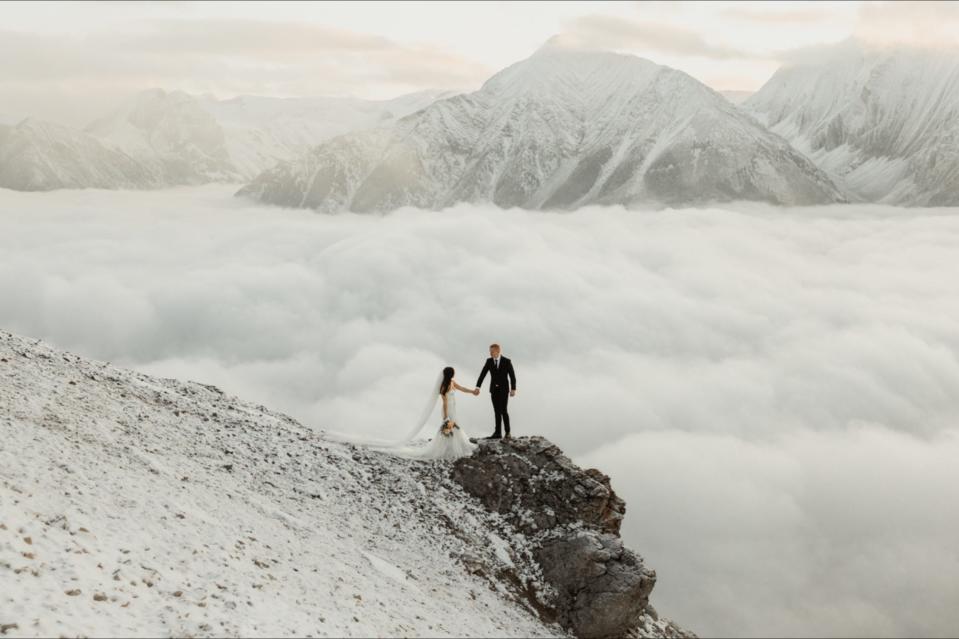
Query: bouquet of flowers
pixel 448 427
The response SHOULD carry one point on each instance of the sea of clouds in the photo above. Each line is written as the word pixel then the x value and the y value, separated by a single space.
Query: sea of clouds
pixel 775 392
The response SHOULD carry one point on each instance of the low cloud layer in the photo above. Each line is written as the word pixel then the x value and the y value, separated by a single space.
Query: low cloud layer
pixel 775 392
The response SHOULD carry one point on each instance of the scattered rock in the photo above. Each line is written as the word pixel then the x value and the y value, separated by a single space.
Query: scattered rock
pixel 73 593
pixel 99 597
pixel 4 628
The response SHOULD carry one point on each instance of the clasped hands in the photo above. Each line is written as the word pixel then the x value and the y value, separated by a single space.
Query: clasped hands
pixel 512 393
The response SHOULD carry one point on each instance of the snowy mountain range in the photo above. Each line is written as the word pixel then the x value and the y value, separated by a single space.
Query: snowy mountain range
pixel 882 122
pixel 562 129
pixel 559 130
pixel 137 506
pixel 163 138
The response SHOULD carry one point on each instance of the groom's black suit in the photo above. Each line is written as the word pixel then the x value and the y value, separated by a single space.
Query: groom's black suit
pixel 502 380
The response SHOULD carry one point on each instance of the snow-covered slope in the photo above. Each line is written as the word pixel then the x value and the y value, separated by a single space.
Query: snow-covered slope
pixel 561 129
pixel 39 156
pixel 168 138
pixel 171 133
pixel 138 506
pixel 885 121
pixel 261 131
pixel 202 139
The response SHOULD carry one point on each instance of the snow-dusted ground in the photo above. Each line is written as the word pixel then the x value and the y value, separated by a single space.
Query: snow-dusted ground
pixel 138 506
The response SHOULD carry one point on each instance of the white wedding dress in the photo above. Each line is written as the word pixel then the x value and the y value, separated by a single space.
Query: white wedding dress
pixel 441 446
pixel 452 446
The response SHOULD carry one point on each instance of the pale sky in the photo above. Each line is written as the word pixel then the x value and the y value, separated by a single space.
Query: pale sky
pixel 70 62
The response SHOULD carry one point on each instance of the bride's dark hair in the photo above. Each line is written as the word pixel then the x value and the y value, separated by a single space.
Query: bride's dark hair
pixel 447 380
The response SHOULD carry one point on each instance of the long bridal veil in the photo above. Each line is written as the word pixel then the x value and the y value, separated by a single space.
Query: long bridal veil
pixel 432 400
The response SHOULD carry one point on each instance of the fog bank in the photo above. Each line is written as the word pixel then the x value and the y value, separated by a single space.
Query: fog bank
pixel 775 392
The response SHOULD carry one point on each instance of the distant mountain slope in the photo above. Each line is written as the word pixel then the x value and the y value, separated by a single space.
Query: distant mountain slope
pixel 559 130
pixel 39 156
pixel 202 139
pixel 171 133
pixel 883 121
pixel 162 138
pixel 137 506
pixel 261 131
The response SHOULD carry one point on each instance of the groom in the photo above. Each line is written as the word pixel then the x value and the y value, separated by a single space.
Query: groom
pixel 502 386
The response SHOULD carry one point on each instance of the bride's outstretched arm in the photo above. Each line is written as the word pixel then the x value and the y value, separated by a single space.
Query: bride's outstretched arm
pixel 462 388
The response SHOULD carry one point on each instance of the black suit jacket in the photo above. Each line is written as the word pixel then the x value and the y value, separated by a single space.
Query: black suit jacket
pixel 500 379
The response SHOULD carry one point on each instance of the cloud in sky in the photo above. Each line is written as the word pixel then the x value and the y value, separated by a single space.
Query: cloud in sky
pixel 774 391
pixel 75 62
pixel 600 32
pixel 221 56
pixel 922 23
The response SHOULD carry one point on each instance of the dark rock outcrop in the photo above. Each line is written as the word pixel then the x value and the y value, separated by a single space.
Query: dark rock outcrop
pixel 530 475
pixel 572 518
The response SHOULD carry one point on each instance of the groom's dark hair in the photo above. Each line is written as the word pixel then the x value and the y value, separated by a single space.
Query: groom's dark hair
pixel 494 345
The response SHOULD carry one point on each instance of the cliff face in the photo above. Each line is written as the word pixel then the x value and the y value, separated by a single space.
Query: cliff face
pixel 133 505
pixel 570 517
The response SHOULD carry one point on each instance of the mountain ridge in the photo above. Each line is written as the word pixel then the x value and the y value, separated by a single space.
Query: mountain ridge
pixel 883 121
pixel 135 504
pixel 560 129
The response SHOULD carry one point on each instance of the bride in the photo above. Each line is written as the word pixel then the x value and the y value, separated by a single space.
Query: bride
pixel 451 442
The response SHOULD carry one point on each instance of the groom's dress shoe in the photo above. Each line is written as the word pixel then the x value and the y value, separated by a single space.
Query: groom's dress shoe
pixel 493 436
